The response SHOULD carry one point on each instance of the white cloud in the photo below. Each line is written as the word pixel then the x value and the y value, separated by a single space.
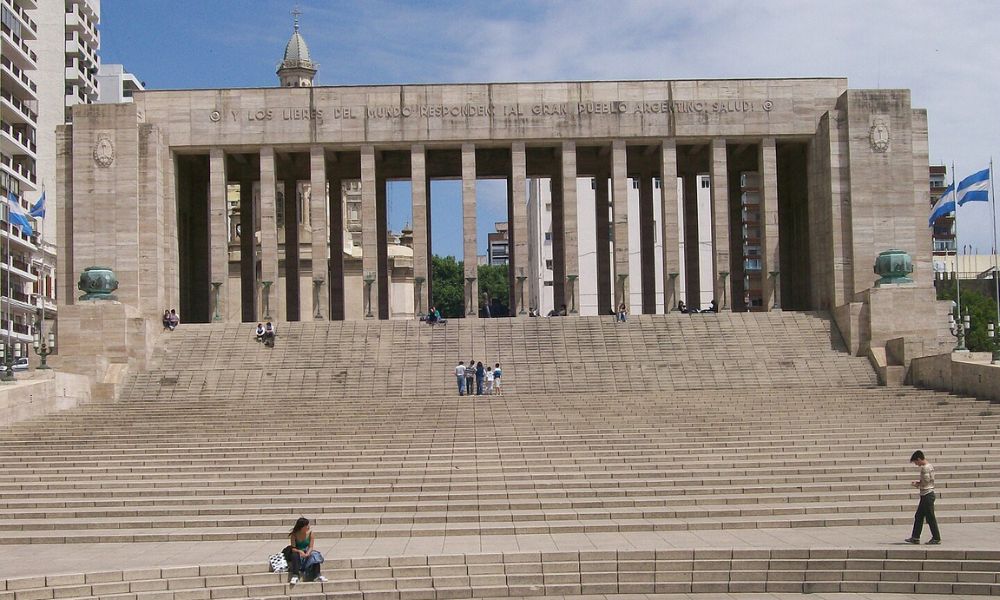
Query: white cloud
pixel 943 51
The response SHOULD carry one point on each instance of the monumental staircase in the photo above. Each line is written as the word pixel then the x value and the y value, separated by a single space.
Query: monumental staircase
pixel 670 454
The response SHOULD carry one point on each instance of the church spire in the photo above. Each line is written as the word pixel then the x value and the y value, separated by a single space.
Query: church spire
pixel 297 68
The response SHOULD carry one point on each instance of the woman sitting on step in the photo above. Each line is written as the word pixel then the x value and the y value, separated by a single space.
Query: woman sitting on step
pixel 299 554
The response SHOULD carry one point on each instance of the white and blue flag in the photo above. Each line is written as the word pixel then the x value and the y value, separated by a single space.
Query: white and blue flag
pixel 944 205
pixel 17 216
pixel 38 208
pixel 974 188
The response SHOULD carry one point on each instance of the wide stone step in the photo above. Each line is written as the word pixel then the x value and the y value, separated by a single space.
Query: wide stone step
pixel 676 571
pixel 245 530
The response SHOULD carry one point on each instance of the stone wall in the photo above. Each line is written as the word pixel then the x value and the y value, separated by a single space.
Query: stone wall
pixel 961 373
pixel 41 393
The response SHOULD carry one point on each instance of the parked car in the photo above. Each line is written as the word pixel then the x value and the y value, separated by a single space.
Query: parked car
pixel 21 364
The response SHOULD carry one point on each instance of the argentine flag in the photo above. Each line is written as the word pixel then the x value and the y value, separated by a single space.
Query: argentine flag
pixel 975 188
pixel 17 216
pixel 38 208
pixel 944 205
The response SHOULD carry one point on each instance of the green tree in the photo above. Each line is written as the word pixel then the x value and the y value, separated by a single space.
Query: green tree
pixel 493 283
pixel 981 309
pixel 447 286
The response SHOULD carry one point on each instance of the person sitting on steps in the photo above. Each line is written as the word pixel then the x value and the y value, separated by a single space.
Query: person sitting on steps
pixel 259 333
pixel 173 320
pixel 166 319
pixel 269 333
pixel 302 560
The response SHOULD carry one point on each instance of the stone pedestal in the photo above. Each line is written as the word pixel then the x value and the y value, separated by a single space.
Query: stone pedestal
pixel 103 340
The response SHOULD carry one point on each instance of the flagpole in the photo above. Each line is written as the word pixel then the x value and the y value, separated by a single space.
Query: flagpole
pixel 8 351
pixel 958 241
pixel 996 271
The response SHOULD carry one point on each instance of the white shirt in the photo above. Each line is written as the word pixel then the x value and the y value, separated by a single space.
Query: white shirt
pixel 460 370
pixel 489 375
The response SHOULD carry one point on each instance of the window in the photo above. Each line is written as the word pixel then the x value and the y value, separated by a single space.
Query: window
pixel 12 22
pixel 751 264
pixel 548 236
pixel 548 264
pixel 548 284
pixel 706 183
pixel 635 184
pixel 656 183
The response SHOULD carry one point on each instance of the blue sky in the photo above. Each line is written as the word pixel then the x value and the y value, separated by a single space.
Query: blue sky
pixel 926 46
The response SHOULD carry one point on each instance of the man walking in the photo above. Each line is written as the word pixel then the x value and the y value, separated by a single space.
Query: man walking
pixel 460 375
pixel 470 377
pixel 925 510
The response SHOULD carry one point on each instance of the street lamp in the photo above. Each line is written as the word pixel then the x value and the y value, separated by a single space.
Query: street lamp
pixel 571 280
pixel 958 328
pixel 991 332
pixel 7 361
pixel 216 293
pixel 725 299
pixel 369 279
pixel 42 348
pixel 318 298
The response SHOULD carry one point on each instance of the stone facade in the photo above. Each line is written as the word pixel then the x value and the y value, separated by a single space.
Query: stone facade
pixel 843 176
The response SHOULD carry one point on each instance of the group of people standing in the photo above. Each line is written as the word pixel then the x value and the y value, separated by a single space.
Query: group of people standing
pixel 484 380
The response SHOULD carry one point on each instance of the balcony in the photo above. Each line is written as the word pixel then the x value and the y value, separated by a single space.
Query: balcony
pixel 20 50
pixel 25 19
pixel 18 77
pixel 77 20
pixel 18 236
pixel 749 180
pixel 22 108
pixel 19 332
pixel 19 268
pixel 23 171
pixel 20 141
pixel 945 246
pixel 751 215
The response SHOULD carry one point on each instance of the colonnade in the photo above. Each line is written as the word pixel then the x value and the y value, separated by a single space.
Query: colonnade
pixel 618 160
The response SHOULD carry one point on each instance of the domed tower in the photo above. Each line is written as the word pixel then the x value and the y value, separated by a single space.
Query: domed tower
pixel 297 69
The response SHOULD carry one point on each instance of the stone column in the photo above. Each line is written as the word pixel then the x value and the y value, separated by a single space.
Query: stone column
pixel 382 241
pixel 421 266
pixel 293 299
pixel 218 233
pixel 647 243
pixel 720 225
pixel 335 272
pixel 571 244
pixel 469 229
pixel 369 233
pixel 619 198
pixel 518 246
pixel 603 233
pixel 768 164
pixel 670 231
pixel 270 302
pixel 320 251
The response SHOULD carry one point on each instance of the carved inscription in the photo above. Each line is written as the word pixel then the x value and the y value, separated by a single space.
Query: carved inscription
pixel 458 111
